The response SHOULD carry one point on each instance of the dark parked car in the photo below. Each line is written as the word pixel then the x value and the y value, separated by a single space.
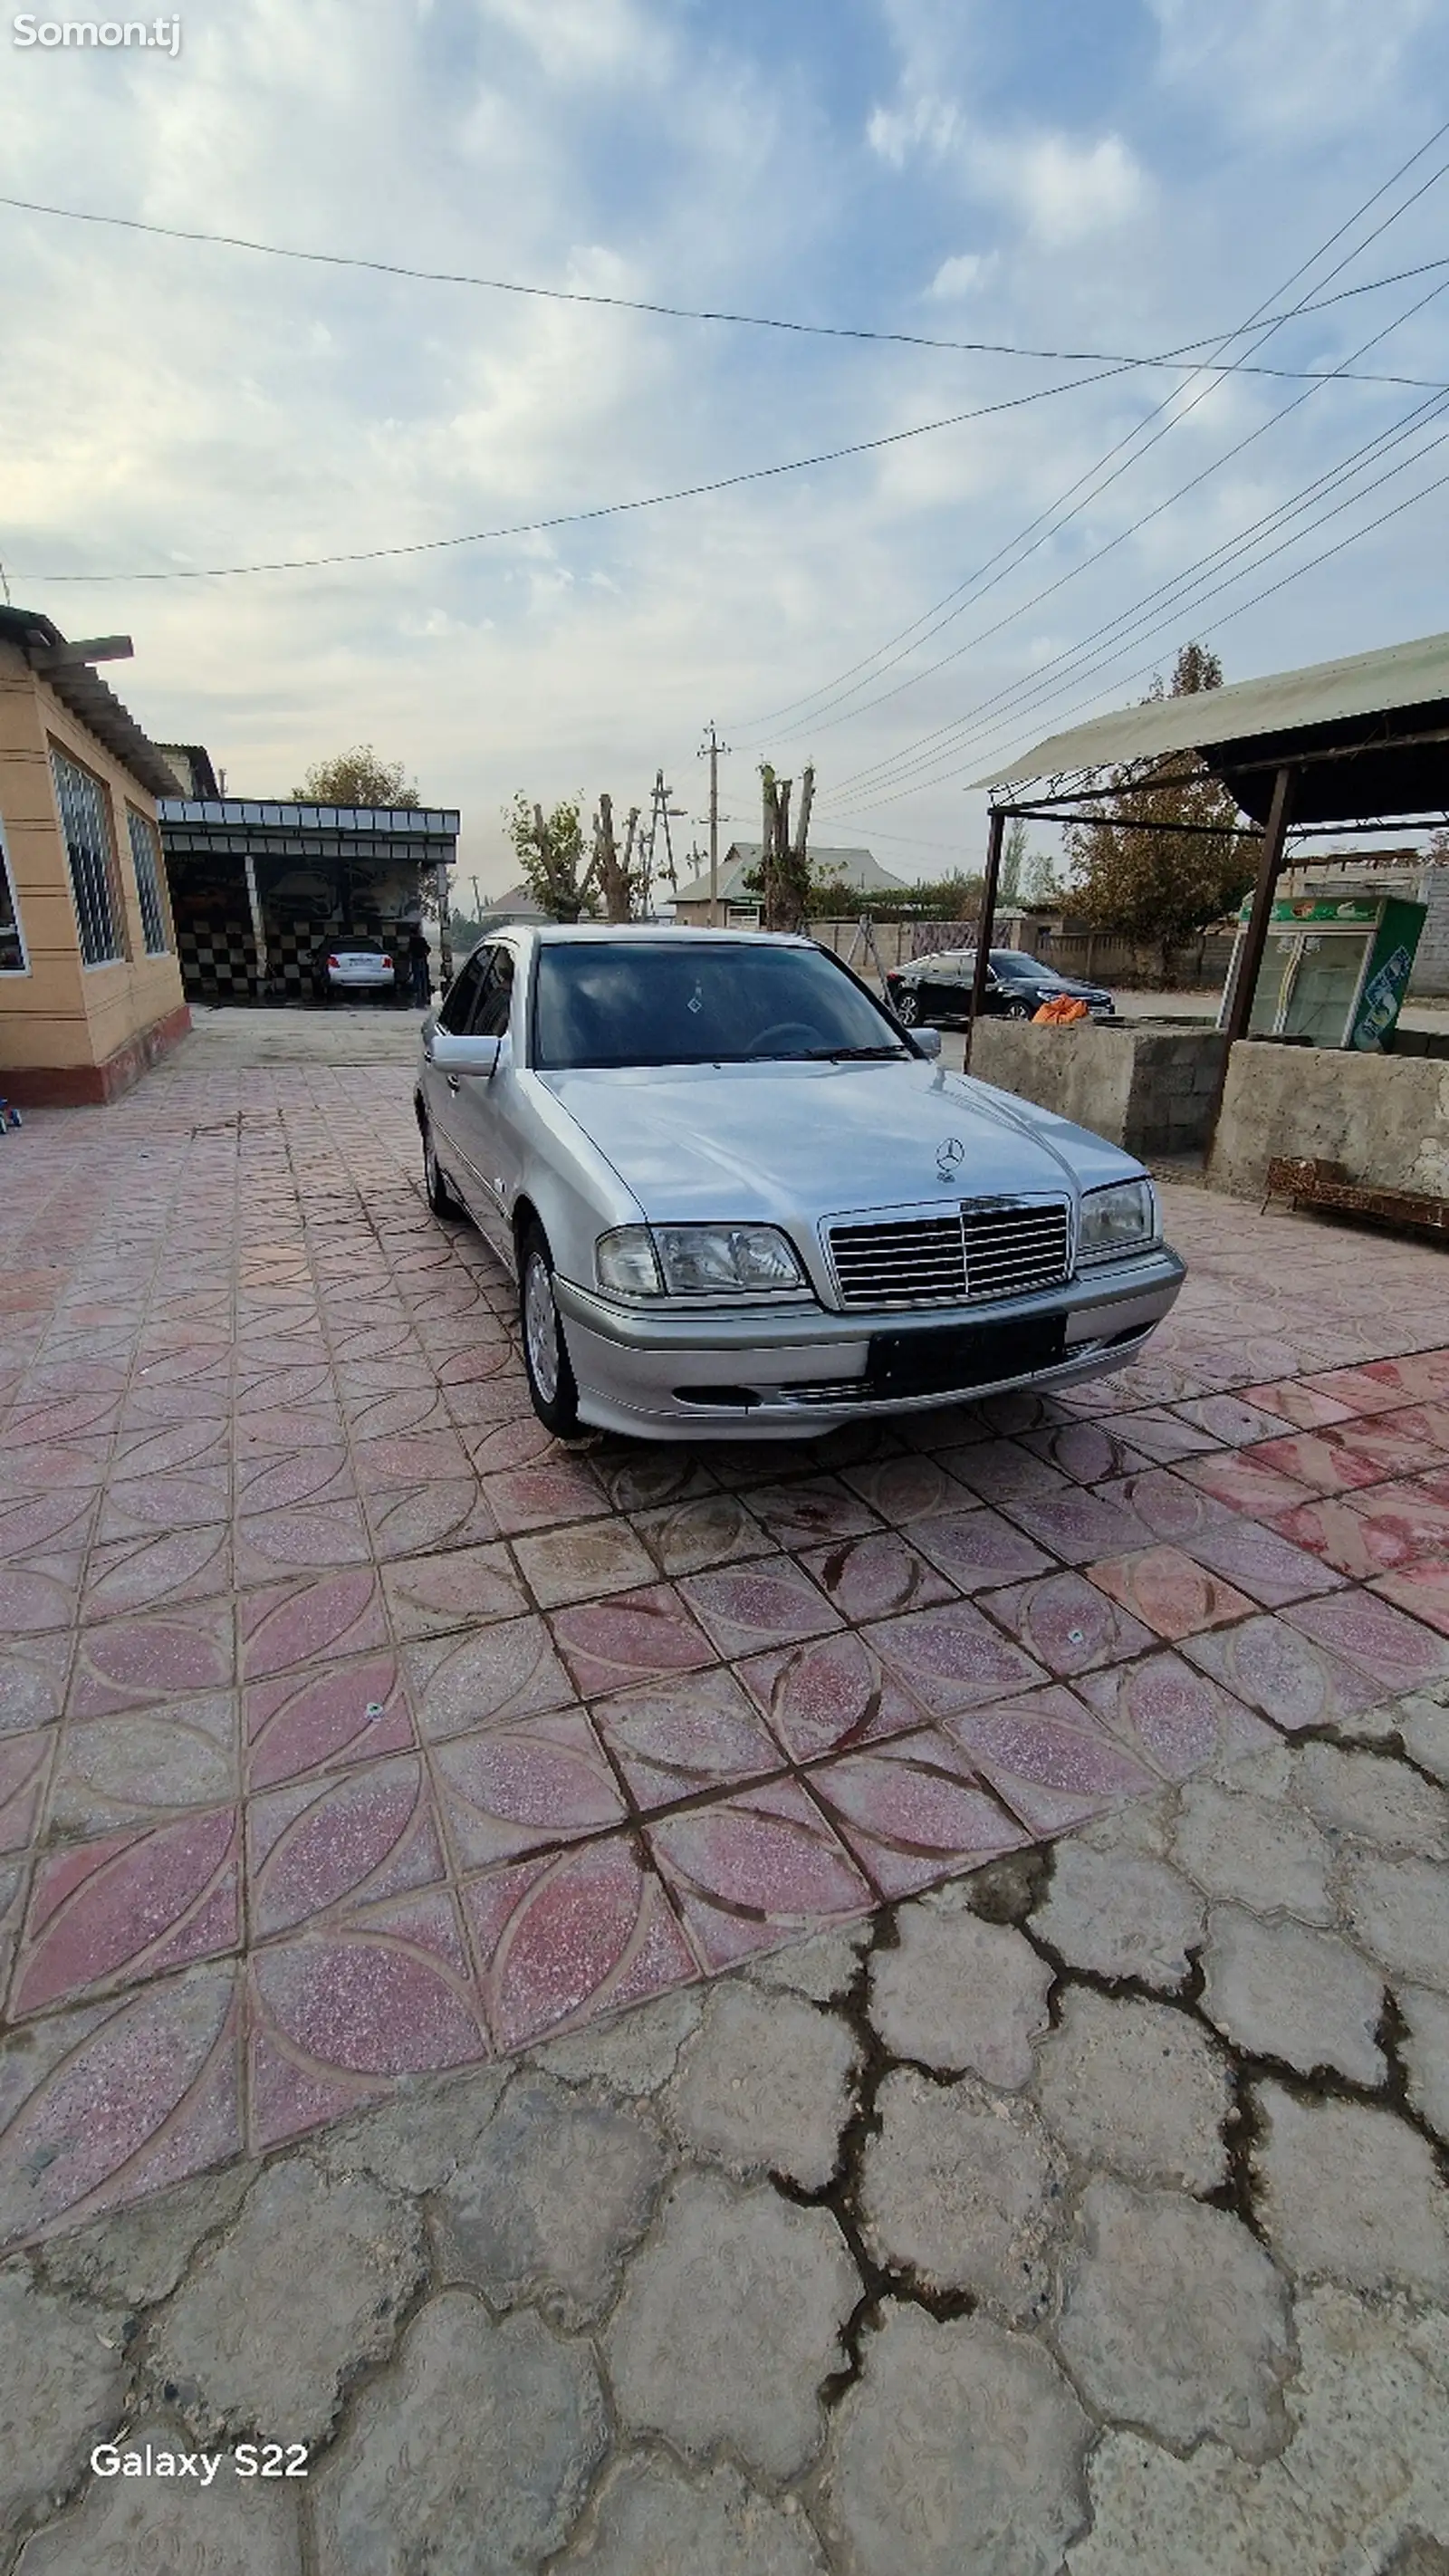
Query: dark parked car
pixel 935 992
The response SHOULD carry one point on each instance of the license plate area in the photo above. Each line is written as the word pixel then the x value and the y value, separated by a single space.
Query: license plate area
pixel 964 1355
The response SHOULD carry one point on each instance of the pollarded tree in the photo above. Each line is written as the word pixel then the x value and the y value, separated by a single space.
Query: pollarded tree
pixel 550 849
pixel 1148 883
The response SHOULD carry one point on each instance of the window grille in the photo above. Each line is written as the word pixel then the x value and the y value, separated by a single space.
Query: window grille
pixel 86 825
pixel 146 854
pixel 13 960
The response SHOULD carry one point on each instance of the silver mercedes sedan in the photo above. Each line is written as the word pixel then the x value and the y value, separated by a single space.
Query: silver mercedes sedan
pixel 739 1197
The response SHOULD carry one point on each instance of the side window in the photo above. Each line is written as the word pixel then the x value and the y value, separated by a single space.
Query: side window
pixel 463 992
pixel 146 858
pixel 12 945
pixel 490 1020
pixel 85 816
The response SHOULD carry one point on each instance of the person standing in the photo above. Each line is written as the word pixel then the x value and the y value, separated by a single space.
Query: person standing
pixel 420 959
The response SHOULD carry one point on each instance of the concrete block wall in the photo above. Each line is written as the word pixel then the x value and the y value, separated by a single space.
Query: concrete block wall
pixel 1430 978
pixel 1385 1118
pixel 1148 1086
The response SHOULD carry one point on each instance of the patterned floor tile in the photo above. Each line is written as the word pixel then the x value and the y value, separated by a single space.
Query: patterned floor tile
pixel 875 1576
pixel 1297 1401
pixel 1087 1453
pixel 384 1992
pixel 1422 1590
pixel 1293 1680
pixel 310 1621
pixel 181 1499
pixel 144 1766
pixel 323 1536
pixel 307 1478
pixel 952 1658
pixel 1380 1386
pixel 1166 1505
pixel 906 1489
pixel 1049 1759
pixel 913 1811
pixel 60 1466
pixel 485 1678
pixel 1231 1422
pixel 45 1521
pixel 569 1935
pixel 24 1771
pixel 528 1498
pixel 1003 1471
pixel 1169 1592
pixel 767 1602
pixel 419 1520
pixel 1161 1436
pixel 466 1587
pixel 1260 1562
pixel 101 2105
pixel 636 1637
pixel 708 1528
pixel 1246 1483
pixel 130 1663
pixel 978 1548
pixel 641 1478
pixel 582 1563
pixel 828 1696
pixel 406 1458
pixel 751 1871
pixel 804 1512
pixel 516 1789
pixel 1075 1525
pixel 1067 1623
pixel 322 1718
pixel 129 1907
pixel 1175 1718
pixel 368 1834
pixel 40 1598
pixel 680 1739
pixel 1395 1652
pixel 1334 1462
pixel 157 1570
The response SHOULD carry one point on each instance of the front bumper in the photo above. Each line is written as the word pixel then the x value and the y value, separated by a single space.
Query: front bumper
pixel 795 1371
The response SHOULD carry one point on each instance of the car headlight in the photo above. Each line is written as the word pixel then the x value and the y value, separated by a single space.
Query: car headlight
pixel 696 1261
pixel 1121 1218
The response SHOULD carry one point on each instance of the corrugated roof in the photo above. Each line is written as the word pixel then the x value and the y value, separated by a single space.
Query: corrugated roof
pixel 859 868
pixel 99 708
pixel 1325 693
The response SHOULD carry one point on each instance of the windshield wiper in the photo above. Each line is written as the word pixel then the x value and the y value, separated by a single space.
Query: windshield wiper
pixel 847 1055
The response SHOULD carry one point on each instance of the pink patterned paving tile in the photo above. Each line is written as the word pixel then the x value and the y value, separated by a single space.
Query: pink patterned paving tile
pixel 1396 1653
pixel 286 1431
pixel 1436 1483
pixel 1160 1436
pixel 144 1455
pixel 1243 1480
pixel 324 1536
pixel 1291 1678
pixel 70 1466
pixel 699 1530
pixel 952 1658
pixel 1087 1453
pixel 828 1696
pixel 673 1740
pixel 1231 1422
pixel 1077 1526
pixel 466 1587
pixel 1379 1386
pixel 518 1788
pixel 183 1499
pixel 311 1721
pixel 1335 1462
pixel 1421 1589
pixel 1176 1719
pixel 129 1907
pixel 582 1563
pixel 636 1637
pixel 76 1417
pixel 33 1674
pixel 418 1520
pixel 641 1478
pixel 485 1403
pixel 42 1522
pixel 155 1407
pixel 1049 1759
pixel 913 1811
pixel 39 1597
pixel 1067 1623
pixel 977 1548
pixel 410 1410
pixel 907 1489
pixel 757 1869
pixel 367 1835
pixel 802 1513
pixel 335 2015
pixel 156 1571
pixel 1295 1400
pixel 1003 1471
pixel 1260 1562
pixel 1168 1592
pixel 275 1484
pixel 767 1602
pixel 310 1621
pixel 487 1678
pixel 1403 1524
pixel 1167 1505
pixel 567 1936
pixel 877 1576
pixel 106 2103
pixel 519 1443
pixel 129 1663
pixel 144 1766
pixel 526 1498
pixel 409 1458
pixel 1337 1532
pixel 24 1768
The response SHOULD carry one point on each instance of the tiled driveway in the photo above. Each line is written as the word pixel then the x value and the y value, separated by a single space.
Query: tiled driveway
pixel 351 1729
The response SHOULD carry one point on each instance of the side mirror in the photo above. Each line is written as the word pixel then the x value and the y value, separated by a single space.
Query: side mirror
pixel 928 1040
pixel 454 1055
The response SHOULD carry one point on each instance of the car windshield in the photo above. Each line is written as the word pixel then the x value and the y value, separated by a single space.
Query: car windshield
pixel 1015 967
pixel 638 1003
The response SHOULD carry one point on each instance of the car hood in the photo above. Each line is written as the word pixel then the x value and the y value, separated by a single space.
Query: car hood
pixel 783 1142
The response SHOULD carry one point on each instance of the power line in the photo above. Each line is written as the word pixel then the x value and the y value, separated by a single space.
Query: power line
pixel 1179 357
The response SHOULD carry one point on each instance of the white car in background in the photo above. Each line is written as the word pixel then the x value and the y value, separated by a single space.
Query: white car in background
pixel 739 1197
pixel 354 966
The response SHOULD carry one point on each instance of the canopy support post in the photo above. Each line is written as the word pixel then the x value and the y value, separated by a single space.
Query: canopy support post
pixel 1250 955
pixel 984 928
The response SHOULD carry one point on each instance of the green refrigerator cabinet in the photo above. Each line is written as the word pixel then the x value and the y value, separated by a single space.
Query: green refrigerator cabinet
pixel 1335 968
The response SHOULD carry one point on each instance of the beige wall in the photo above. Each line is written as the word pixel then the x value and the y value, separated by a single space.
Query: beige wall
pixel 62 1013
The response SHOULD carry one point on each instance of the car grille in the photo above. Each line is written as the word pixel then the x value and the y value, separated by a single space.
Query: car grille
pixel 989 1249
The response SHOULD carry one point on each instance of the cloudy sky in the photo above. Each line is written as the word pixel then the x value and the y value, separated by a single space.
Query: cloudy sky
pixel 1125 179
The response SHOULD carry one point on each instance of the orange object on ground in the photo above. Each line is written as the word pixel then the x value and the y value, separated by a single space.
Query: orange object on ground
pixel 1059 1014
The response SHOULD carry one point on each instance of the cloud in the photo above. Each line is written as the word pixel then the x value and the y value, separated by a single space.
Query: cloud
pixel 1290 66
pixel 1063 191
pixel 959 276
pixel 925 124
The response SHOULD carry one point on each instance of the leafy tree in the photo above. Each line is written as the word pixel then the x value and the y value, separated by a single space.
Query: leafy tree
pixel 1041 878
pixel 1014 855
pixel 550 852
pixel 1157 886
pixel 356 777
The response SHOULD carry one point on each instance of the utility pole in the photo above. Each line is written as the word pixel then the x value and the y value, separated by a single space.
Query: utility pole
pixel 660 811
pixel 710 750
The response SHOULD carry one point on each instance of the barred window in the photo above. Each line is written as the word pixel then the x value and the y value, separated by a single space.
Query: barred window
pixel 13 960
pixel 87 828
pixel 146 854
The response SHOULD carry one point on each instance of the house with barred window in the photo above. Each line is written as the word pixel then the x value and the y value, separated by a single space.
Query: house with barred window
pixel 90 988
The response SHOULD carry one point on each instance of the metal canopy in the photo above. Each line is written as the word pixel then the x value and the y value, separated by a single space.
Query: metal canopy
pixel 1367 735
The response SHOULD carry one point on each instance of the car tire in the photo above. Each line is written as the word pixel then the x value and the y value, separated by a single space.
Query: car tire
pixel 1018 1011
pixel 440 1197
pixel 908 1007
pixel 551 1381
